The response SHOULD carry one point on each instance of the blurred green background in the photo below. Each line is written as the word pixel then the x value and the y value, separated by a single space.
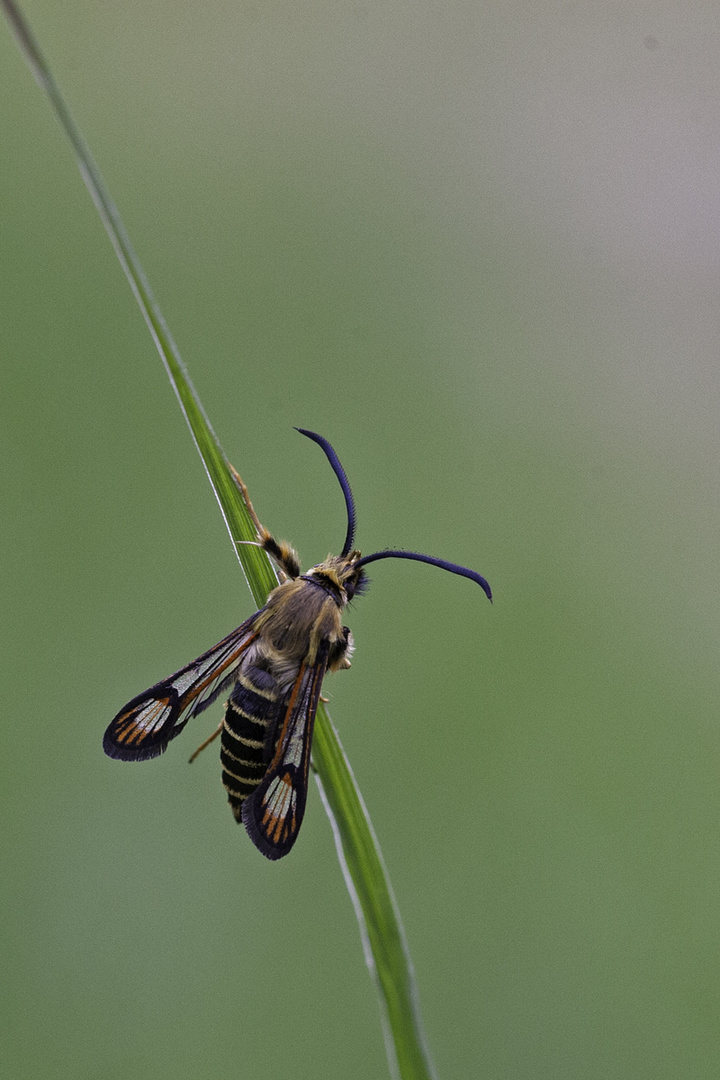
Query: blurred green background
pixel 476 246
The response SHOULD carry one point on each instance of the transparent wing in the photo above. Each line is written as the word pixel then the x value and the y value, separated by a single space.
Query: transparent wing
pixel 273 814
pixel 144 727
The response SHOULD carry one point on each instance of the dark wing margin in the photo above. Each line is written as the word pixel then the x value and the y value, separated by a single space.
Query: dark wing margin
pixel 144 727
pixel 273 814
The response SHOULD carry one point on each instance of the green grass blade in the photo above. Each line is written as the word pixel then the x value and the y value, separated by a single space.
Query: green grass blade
pixel 381 930
pixel 383 937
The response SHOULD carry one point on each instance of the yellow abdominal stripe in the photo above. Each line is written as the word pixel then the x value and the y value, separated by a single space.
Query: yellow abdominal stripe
pixel 254 744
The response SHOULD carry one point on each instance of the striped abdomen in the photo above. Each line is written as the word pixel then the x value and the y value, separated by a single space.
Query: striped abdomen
pixel 248 732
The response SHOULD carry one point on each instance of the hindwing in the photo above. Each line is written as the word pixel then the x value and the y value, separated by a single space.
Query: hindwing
pixel 274 812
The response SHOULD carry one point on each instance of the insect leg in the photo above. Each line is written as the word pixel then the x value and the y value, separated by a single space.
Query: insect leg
pixel 207 742
pixel 246 499
pixel 285 557
pixel 341 651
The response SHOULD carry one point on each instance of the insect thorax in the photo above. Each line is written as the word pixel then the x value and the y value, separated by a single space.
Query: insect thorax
pixel 298 617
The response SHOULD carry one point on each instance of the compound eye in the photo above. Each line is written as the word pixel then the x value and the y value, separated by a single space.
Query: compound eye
pixel 356 585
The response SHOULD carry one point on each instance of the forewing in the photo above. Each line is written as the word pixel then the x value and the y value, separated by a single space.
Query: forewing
pixel 144 727
pixel 273 814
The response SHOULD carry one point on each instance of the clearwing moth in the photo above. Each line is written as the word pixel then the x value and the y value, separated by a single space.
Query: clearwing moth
pixel 275 663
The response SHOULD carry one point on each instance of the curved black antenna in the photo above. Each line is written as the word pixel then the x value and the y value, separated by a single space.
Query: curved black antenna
pixel 340 473
pixel 452 567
